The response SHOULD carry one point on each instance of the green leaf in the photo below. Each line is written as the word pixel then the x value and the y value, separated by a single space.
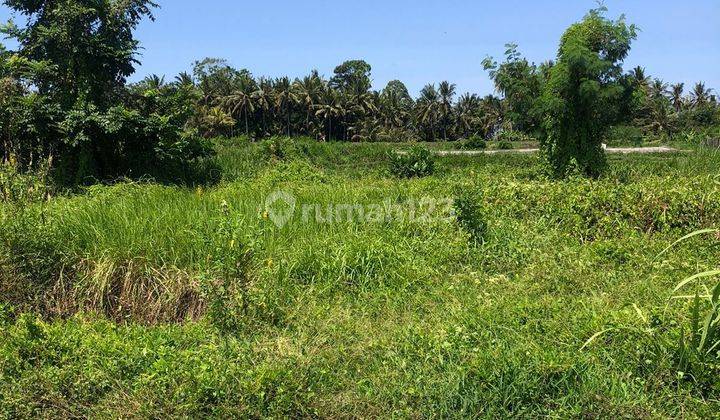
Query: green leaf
pixel 686 237
pixel 682 284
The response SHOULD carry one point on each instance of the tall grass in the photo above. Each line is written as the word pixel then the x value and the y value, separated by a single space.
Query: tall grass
pixel 392 318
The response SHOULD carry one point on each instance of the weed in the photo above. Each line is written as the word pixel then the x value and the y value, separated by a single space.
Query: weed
pixel 417 162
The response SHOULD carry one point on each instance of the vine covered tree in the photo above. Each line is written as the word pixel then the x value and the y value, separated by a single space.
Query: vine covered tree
pixel 581 97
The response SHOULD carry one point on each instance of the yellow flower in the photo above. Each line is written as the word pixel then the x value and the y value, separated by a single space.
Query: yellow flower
pixel 269 262
pixel 265 215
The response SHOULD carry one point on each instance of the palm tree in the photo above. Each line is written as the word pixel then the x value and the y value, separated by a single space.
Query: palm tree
pixel 184 79
pixel 640 79
pixel 330 107
pixel 214 121
pixel 358 106
pixel 492 114
pixel 262 100
pixel 677 96
pixel 284 98
pixel 240 102
pixel 446 92
pixel 392 110
pixel 700 95
pixel 659 89
pixel 427 108
pixel 307 91
pixel 467 111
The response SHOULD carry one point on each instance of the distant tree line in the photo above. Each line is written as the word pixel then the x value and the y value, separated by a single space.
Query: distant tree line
pixel 64 96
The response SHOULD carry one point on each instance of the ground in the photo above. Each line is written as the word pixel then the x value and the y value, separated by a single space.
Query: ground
pixel 132 309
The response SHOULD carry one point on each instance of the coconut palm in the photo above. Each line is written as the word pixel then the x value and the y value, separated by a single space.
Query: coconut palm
pixel 427 108
pixel 641 80
pixel 445 110
pixel 284 99
pixel 392 110
pixel 262 98
pixel 184 79
pixel 676 96
pixel 330 107
pixel 213 121
pixel 700 95
pixel 659 89
pixel 240 102
pixel 308 91
pixel 467 111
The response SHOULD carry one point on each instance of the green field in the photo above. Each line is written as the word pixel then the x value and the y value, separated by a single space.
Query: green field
pixel 143 300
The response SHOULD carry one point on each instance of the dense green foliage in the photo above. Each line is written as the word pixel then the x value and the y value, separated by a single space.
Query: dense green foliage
pixel 125 288
pixel 400 284
pixel 582 92
pixel 64 97
pixel 416 162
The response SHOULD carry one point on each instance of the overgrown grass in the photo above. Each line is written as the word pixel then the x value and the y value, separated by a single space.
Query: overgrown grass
pixel 110 308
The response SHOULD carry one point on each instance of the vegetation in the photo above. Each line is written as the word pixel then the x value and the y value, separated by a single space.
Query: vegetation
pixel 230 246
pixel 126 300
pixel 581 92
pixel 64 98
pixel 416 162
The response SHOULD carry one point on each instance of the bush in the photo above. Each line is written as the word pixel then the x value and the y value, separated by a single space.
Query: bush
pixel 123 142
pixel 474 143
pixel 469 215
pixel 622 135
pixel 275 148
pixel 508 136
pixel 417 162
pixel 505 145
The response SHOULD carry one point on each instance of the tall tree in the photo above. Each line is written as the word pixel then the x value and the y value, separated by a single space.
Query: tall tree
pixel 700 95
pixel 352 76
pixel 583 92
pixel 677 96
pixel 446 90
pixel 89 44
pixel 520 82
pixel 427 110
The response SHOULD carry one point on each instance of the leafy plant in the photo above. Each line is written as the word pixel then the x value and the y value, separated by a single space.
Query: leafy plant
pixel 226 290
pixel 698 351
pixel 470 216
pixel 417 162
pixel 504 145
pixel 474 143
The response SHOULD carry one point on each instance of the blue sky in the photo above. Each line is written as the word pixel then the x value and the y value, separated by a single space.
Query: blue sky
pixel 417 41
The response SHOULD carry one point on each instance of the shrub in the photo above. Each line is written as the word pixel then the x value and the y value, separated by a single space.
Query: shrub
pixel 698 353
pixel 623 135
pixel 474 143
pixel 505 145
pixel 417 162
pixel 22 188
pixel 226 292
pixel 508 136
pixel 469 215
pixel 274 148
